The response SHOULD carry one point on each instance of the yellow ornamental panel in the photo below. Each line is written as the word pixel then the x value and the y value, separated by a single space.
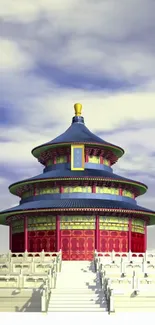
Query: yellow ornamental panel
pixel 62 159
pixel 38 219
pixel 66 189
pixel 77 189
pixel 48 190
pixel 114 219
pixel 105 190
pixel 94 159
pixel 139 222
pixel 106 162
pixel 30 220
pixel 49 163
pixel 26 195
pixel 127 193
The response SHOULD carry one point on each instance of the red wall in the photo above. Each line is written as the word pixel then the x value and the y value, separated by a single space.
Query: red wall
pixel 78 244
pixel 37 241
pixel 18 242
pixel 137 242
pixel 113 240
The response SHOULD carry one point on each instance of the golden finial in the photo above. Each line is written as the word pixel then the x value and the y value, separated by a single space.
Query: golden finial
pixel 78 109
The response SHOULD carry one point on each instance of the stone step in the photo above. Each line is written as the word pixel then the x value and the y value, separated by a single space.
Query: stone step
pixel 76 290
pixel 75 294
pixel 63 303
pixel 79 298
pixel 136 309
pixel 135 304
pixel 77 309
pixel 75 285
pixel 83 289
pixel 141 299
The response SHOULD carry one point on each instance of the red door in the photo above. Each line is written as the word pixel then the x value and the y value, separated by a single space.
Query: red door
pixel 77 244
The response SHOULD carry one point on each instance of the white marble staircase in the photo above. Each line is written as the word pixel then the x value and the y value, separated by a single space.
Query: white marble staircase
pixel 78 289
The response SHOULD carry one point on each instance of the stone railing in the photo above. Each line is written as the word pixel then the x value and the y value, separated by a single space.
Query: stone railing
pixel 45 296
pixel 12 261
pixel 28 256
pixel 21 281
pixel 135 283
pixel 117 258
pixel 32 275
pixel 110 300
pixel 126 269
pixel 131 288
pixel 28 268
pixel 113 257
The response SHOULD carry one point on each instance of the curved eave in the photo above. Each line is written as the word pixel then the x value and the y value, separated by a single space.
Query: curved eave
pixel 14 187
pixel 76 205
pixel 36 152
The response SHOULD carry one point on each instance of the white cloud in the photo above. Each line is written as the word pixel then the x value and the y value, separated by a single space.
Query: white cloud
pixel 74 36
pixel 12 57
pixel 101 113
pixel 94 40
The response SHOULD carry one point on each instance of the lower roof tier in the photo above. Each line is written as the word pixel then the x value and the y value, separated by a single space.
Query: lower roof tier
pixel 78 205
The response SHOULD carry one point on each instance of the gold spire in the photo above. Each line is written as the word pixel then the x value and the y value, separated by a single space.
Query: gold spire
pixel 78 109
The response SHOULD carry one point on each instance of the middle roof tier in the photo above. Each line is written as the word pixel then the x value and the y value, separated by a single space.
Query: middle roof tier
pixel 87 174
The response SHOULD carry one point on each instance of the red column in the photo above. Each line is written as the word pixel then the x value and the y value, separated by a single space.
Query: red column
pixel 129 234
pixel 94 188
pixel 97 246
pixel 34 190
pixel 68 157
pixel 145 236
pixel 58 232
pixel 26 233
pixel 61 189
pixel 101 160
pixel 86 156
pixel 54 158
pixel 120 191
pixel 10 236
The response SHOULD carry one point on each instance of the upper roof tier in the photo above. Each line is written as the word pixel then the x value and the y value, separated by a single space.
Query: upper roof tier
pixel 77 133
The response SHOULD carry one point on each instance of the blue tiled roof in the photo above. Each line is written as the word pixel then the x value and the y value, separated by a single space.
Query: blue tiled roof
pixel 76 203
pixel 77 132
pixel 57 173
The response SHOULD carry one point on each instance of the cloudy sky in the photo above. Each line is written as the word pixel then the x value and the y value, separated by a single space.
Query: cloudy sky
pixel 55 53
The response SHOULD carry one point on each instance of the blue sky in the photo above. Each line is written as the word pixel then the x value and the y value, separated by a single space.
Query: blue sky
pixel 56 53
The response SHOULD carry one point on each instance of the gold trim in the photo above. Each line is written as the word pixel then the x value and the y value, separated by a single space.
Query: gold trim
pixel 72 155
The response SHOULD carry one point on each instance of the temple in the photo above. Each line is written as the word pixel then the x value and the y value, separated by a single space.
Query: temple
pixel 78 204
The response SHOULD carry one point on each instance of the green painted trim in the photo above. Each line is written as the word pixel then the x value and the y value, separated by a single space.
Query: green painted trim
pixel 42 148
pixel 4 215
pixel 142 187
pixel 152 220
